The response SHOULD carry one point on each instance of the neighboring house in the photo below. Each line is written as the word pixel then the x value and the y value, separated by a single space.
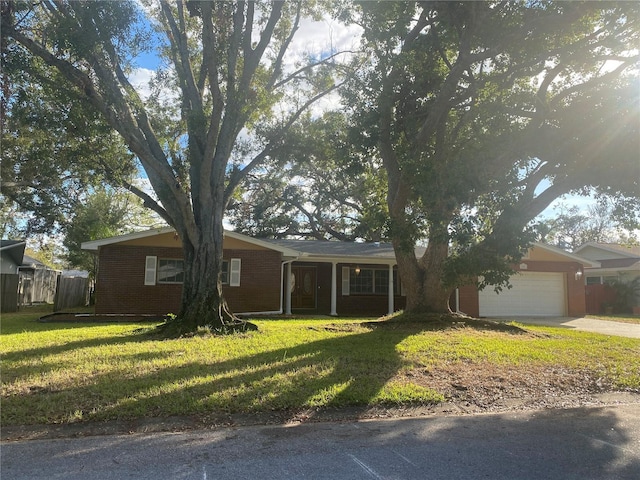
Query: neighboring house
pixel 549 282
pixel 617 262
pixel 11 255
pixel 38 282
pixel 141 273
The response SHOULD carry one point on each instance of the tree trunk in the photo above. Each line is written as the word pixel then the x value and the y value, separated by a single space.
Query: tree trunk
pixel 421 280
pixel 422 277
pixel 203 303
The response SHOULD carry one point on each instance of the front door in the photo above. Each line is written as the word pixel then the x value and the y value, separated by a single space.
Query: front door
pixel 303 287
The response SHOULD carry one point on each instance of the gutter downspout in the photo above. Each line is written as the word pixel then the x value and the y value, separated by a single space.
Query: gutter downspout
pixel 274 312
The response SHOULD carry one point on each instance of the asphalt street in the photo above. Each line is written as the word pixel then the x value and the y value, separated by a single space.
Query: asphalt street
pixel 582 443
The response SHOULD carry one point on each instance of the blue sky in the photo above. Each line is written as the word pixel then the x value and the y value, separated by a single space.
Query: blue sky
pixel 320 37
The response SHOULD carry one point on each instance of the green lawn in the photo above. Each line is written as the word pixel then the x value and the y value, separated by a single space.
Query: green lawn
pixel 70 372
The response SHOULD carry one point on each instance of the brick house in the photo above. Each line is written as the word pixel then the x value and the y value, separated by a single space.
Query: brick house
pixel 548 282
pixel 140 273
pixel 615 263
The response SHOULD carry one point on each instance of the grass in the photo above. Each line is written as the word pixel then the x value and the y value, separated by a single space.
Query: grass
pixel 622 318
pixel 69 372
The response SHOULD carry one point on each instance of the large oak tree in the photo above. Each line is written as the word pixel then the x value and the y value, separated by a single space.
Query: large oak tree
pixel 483 113
pixel 234 94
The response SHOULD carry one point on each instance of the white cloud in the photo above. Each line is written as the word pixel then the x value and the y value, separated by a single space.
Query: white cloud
pixel 140 78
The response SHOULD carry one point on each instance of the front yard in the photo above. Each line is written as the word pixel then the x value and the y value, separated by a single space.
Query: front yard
pixel 56 373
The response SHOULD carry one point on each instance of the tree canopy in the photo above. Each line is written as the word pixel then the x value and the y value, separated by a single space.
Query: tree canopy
pixel 483 113
pixel 474 116
pixel 235 94
pixel 316 186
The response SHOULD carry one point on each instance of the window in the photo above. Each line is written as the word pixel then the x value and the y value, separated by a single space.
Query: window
pixel 370 281
pixel 224 275
pixel 593 280
pixel 230 274
pixel 170 270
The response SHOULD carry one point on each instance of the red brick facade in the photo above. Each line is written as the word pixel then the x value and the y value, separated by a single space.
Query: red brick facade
pixel 347 305
pixel 121 289
pixel 120 284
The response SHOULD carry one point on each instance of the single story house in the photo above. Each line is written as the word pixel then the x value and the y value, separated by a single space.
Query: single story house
pixel 141 273
pixel 616 262
pixel 548 282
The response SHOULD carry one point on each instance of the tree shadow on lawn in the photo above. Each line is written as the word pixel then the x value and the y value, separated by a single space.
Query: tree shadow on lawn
pixel 137 335
pixel 348 370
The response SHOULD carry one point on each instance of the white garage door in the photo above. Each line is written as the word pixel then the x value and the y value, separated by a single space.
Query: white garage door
pixel 532 294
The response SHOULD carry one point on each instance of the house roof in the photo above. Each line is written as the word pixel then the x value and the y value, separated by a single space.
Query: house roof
pixel 94 245
pixel 328 250
pixel 620 263
pixel 317 250
pixel 293 249
pixel 632 251
pixel 31 262
pixel 14 249
pixel 572 256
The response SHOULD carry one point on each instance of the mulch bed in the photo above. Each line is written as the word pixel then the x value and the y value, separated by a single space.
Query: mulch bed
pixel 97 318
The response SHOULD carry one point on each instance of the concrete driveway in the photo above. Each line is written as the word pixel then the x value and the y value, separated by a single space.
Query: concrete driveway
pixel 619 329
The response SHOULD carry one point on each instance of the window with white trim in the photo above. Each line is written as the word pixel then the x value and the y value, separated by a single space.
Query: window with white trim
pixel 230 274
pixel 371 281
pixel 171 270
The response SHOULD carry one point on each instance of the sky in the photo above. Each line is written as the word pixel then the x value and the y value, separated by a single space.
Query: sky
pixel 318 37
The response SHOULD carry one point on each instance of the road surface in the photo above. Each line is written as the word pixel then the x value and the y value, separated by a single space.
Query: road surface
pixel 582 443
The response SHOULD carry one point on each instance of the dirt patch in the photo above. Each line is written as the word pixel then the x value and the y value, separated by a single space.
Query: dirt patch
pixel 216 421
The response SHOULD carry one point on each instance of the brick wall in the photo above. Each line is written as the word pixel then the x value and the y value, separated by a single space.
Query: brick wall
pixel 120 284
pixel 259 289
pixel 120 281
pixel 368 305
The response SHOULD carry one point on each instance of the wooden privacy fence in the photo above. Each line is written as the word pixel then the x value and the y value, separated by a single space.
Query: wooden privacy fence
pixel 71 292
pixel 37 286
pixel 597 297
pixel 8 292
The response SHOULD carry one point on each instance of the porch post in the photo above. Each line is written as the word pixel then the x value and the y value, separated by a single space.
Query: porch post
pixel 287 291
pixel 334 288
pixel 390 289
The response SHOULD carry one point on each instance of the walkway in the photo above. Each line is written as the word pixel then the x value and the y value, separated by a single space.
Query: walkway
pixel 630 330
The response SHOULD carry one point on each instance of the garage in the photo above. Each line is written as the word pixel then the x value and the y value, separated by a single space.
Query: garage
pixel 532 294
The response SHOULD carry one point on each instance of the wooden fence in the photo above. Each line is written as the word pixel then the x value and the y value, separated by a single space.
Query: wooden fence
pixel 598 296
pixel 71 292
pixel 37 286
pixel 8 292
